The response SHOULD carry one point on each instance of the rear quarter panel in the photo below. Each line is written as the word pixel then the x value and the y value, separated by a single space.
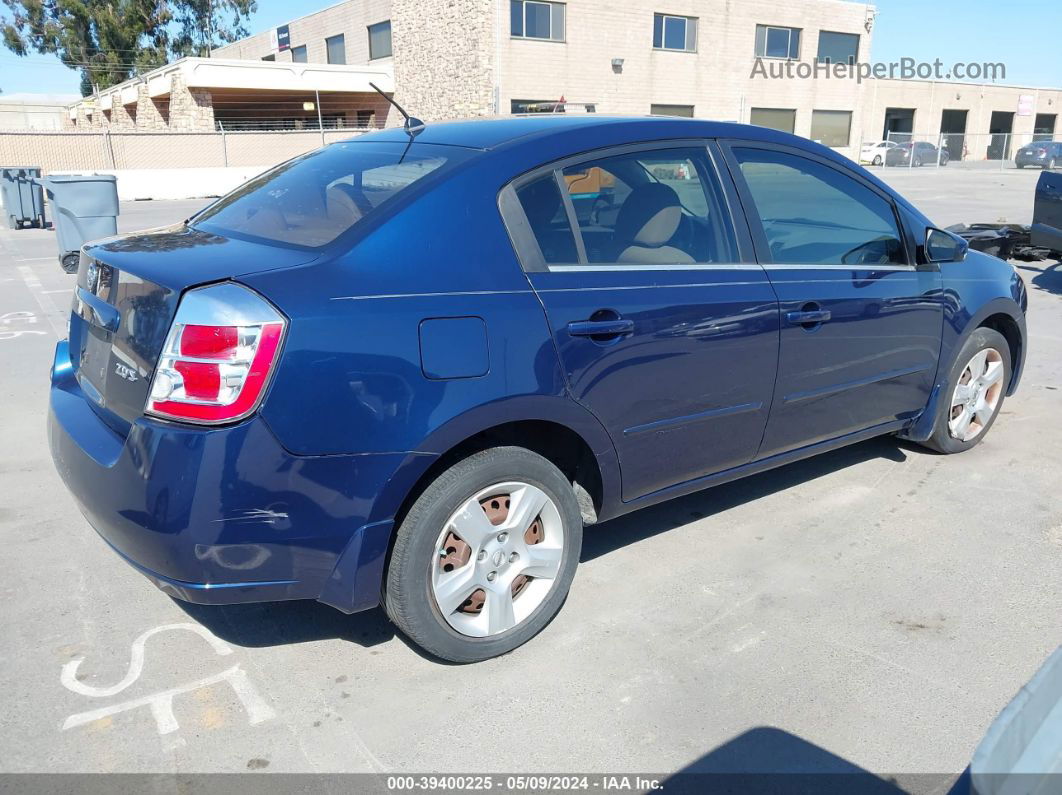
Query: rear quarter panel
pixel 352 378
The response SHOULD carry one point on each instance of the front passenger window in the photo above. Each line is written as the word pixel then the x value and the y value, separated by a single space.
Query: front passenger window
pixel 813 214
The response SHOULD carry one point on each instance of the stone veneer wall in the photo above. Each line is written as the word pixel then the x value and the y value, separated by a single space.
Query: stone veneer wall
pixel 443 57
pixel 190 109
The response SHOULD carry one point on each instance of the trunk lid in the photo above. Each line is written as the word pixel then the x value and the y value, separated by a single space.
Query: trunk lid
pixel 126 296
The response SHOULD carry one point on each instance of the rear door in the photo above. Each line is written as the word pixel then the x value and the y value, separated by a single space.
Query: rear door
pixel 666 328
pixel 861 323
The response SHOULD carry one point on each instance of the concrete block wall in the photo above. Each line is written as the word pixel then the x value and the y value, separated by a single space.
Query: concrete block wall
pixel 930 98
pixel 349 18
pixel 715 79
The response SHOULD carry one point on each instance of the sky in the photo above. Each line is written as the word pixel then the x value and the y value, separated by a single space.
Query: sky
pixel 1025 35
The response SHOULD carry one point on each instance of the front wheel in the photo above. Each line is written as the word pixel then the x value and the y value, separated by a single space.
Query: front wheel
pixel 484 558
pixel 1051 163
pixel 877 160
pixel 974 393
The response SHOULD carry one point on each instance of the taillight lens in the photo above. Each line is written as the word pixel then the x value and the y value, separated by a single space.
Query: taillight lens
pixel 219 355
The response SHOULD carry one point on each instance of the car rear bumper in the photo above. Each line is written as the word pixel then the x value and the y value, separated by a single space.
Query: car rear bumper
pixel 223 515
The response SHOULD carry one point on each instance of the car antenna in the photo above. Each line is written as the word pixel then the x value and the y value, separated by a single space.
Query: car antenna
pixel 412 125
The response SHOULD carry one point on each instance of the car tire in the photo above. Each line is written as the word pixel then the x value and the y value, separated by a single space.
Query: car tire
pixel 917 162
pixel 980 406
pixel 1051 164
pixel 69 262
pixel 483 616
pixel 877 161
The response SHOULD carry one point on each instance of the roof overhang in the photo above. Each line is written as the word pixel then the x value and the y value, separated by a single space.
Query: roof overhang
pixel 226 73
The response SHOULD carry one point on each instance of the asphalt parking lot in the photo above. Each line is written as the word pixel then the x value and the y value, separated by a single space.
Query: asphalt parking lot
pixel 873 608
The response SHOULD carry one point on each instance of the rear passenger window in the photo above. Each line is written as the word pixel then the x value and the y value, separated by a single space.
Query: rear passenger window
pixel 815 215
pixel 655 207
pixel 545 211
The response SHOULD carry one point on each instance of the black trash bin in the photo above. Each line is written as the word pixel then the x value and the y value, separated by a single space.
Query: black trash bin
pixel 23 197
pixel 84 208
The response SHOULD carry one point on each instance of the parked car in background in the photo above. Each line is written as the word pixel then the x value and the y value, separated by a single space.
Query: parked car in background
pixel 1045 154
pixel 873 152
pixel 405 369
pixel 916 153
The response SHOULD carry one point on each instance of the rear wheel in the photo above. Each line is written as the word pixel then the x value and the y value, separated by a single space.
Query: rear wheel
pixel 877 160
pixel 69 262
pixel 975 391
pixel 484 558
pixel 1051 163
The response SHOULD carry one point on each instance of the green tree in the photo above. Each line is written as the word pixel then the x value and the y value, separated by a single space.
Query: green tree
pixel 109 41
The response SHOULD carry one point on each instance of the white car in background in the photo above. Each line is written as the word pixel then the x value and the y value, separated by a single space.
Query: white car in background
pixel 873 152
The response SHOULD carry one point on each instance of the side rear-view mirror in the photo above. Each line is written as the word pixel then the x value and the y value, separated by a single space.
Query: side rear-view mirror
pixel 943 246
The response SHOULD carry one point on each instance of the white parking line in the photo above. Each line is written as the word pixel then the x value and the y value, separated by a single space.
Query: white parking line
pixel 44 301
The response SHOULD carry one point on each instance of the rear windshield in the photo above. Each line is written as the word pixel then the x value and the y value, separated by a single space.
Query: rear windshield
pixel 312 200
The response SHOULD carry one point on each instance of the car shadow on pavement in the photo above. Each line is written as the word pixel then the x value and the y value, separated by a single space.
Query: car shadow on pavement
pixel 1048 275
pixel 263 624
pixel 609 536
pixel 283 623
pixel 770 760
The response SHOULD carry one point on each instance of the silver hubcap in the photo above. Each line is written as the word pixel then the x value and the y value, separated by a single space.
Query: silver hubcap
pixel 976 396
pixel 497 558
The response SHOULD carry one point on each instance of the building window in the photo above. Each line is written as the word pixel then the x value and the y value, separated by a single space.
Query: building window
pixel 298 54
pixel 366 118
pixel 838 47
pixel 831 127
pixel 782 119
pixel 270 57
pixel 774 42
pixel 672 110
pixel 337 49
pixel 674 33
pixel 380 40
pixel 531 19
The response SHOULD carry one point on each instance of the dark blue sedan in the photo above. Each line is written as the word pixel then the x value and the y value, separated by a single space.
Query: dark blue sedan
pixel 409 368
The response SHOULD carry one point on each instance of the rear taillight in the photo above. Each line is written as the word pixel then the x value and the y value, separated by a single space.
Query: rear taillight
pixel 219 355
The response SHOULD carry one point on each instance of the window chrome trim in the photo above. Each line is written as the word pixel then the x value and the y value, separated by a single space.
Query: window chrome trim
pixel 681 266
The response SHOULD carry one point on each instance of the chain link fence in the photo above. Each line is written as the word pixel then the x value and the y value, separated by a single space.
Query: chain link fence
pixel 108 150
pixel 980 151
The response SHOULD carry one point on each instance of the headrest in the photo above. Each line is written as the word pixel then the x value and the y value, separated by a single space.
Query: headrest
pixel 651 215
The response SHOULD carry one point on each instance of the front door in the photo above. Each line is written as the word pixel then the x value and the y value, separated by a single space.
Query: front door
pixel 664 334
pixel 861 324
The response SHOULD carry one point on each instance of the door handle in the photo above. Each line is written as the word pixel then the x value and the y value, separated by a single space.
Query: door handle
pixel 614 327
pixel 807 317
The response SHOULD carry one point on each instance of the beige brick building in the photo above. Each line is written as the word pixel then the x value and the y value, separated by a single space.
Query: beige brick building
pixel 706 58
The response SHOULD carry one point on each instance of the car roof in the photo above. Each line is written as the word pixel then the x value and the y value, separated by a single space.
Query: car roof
pixel 540 138
pixel 495 133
